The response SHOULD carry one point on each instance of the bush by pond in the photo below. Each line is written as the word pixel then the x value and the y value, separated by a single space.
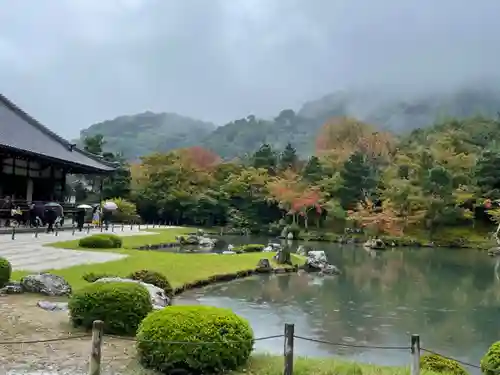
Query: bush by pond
pixel 121 306
pixel 490 363
pixel 231 337
pixel 251 248
pixel 436 363
pixel 5 271
pixel 154 278
pixel 91 276
pixel 101 241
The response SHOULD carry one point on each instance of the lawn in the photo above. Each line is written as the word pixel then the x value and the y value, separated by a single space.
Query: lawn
pixel 178 267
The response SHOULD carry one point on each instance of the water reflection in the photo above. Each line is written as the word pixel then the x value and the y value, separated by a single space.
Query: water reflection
pixel 450 297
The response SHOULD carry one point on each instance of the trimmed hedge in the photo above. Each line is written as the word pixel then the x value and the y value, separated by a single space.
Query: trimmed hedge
pixel 436 363
pixel 155 278
pixel 490 363
pixel 121 306
pixel 251 248
pixel 231 337
pixel 5 272
pixel 101 241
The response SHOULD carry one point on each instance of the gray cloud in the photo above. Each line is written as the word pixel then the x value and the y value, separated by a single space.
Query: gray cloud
pixel 74 62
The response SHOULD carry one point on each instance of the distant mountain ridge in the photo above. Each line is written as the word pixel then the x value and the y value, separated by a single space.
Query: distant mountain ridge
pixel 144 133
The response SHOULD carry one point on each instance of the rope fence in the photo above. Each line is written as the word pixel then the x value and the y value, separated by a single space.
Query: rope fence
pixel 96 346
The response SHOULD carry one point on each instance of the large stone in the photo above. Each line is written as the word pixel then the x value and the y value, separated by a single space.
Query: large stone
pixel 303 250
pixel 317 262
pixel 206 242
pixel 376 244
pixel 53 306
pixel 494 251
pixel 264 265
pixel 159 299
pixel 46 283
pixel 12 288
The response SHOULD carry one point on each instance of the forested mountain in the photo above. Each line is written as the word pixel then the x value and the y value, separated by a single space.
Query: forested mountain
pixel 144 133
pixel 141 134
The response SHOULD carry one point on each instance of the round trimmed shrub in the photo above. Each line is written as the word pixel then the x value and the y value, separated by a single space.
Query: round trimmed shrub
pixel 120 305
pixel 5 271
pixel 91 276
pixel 101 241
pixel 436 363
pixel 155 278
pixel 159 335
pixel 490 363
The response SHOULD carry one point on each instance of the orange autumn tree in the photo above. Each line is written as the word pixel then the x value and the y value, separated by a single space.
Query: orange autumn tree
pixel 199 158
pixel 340 137
pixel 295 197
pixel 378 220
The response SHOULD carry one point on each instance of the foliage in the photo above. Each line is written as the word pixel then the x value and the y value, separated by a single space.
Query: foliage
pixel 490 363
pixel 101 241
pixel 91 276
pixel 436 363
pixel 126 212
pixel 434 178
pixel 5 271
pixel 231 337
pixel 250 248
pixel 120 305
pixel 154 278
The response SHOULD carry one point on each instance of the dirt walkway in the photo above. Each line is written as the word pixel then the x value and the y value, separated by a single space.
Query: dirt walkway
pixel 22 320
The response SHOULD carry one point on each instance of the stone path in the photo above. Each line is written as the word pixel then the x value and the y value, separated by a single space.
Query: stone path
pixel 27 253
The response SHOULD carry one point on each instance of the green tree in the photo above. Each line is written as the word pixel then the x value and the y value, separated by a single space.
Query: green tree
pixel 358 182
pixel 265 157
pixel 288 158
pixel 487 174
pixel 313 171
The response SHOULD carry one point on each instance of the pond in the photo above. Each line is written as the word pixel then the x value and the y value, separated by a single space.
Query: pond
pixel 449 297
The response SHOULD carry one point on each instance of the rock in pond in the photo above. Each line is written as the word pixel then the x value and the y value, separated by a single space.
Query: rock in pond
pixel 12 287
pixel 159 299
pixel 264 265
pixel 494 251
pixel 303 250
pixel 317 262
pixel 375 244
pixel 53 306
pixel 46 283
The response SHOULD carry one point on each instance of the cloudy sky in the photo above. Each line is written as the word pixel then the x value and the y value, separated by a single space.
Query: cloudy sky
pixel 71 63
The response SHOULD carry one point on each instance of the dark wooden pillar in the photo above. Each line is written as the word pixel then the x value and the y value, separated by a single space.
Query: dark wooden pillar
pixel 63 185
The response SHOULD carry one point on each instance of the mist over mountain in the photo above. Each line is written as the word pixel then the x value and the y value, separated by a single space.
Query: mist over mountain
pixel 390 109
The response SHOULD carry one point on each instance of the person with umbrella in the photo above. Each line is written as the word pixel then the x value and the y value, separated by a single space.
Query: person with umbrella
pixel 51 214
pixel 107 212
pixel 80 215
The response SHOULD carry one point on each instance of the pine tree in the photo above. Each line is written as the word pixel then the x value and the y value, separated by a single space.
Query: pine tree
pixel 264 157
pixel 358 181
pixel 288 158
pixel 313 171
pixel 487 176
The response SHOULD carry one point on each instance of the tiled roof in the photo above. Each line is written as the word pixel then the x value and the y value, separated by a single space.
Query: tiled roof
pixel 18 130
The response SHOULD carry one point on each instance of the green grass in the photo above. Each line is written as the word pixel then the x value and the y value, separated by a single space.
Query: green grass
pixel 273 365
pixel 178 267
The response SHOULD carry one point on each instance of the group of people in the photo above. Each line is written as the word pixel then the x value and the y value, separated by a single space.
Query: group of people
pixel 98 214
pixel 40 214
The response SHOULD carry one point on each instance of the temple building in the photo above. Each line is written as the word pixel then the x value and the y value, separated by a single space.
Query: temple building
pixel 34 161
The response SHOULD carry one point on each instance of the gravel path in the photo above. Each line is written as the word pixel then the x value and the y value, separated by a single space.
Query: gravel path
pixel 27 253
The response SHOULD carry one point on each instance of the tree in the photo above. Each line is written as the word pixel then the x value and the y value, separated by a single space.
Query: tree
pixel 486 174
pixel 313 171
pixel 288 158
pixel 358 182
pixel 265 157
pixel 94 144
pixel 379 220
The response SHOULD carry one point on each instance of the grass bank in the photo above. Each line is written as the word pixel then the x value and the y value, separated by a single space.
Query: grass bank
pixel 178 267
pixel 451 237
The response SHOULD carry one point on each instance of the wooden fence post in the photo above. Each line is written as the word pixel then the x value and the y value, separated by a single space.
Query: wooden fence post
pixel 288 349
pixel 95 351
pixel 415 355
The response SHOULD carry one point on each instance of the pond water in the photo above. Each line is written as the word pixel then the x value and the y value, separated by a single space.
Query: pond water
pixel 451 298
